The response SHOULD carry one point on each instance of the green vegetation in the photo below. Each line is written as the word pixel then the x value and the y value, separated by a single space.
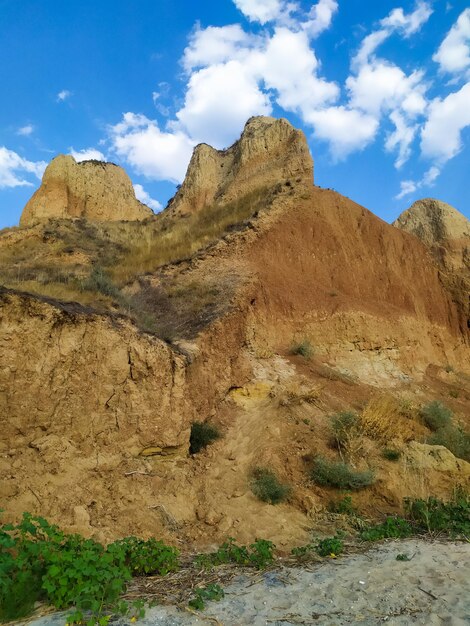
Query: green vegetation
pixel 391 454
pixel 304 348
pixel 267 487
pixel 402 557
pixel 38 562
pixel 202 434
pixel 211 592
pixel 439 419
pixel 434 515
pixel 330 546
pixel 342 507
pixel 340 475
pixel 344 425
pixel 392 527
pixel 436 416
pixel 259 554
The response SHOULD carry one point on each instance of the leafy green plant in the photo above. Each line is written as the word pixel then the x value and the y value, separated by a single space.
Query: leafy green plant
pixel 149 556
pixel 342 507
pixel 436 416
pixel 267 487
pixel 434 515
pixel 392 527
pixel 211 592
pixel 391 454
pixel 339 474
pixel 402 557
pixel 259 554
pixel 303 348
pixel 202 434
pixel 330 546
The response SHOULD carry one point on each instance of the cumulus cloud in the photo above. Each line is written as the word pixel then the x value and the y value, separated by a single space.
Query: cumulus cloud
pixel 347 130
pixel 25 131
pixel 13 168
pixel 453 54
pixel 63 95
pixel 320 17
pixel 441 137
pixel 401 138
pixel 151 152
pixel 214 44
pixel 145 197
pixel 409 23
pixel 87 154
pixel 261 11
pixel 407 187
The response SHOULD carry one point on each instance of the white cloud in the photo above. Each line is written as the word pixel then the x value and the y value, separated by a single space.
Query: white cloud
pixel 87 154
pixel 409 23
pixel 347 130
pixel 63 95
pixel 453 54
pixel 441 136
pixel 154 153
pixel 145 197
pixel 407 187
pixel 219 100
pixel 213 45
pixel 401 138
pixel 320 17
pixel 25 131
pixel 431 175
pixel 261 11
pixel 13 167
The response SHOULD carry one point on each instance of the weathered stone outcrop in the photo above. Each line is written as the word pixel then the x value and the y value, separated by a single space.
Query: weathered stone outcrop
pixel 91 189
pixel 446 233
pixel 270 151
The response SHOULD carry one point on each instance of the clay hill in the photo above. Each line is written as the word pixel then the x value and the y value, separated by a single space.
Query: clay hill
pixel 257 303
pixel 90 189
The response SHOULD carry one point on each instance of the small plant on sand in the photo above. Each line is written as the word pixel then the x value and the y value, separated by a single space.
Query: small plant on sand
pixel 436 416
pixel 303 348
pixel 342 507
pixel 211 592
pixel 340 475
pixel 402 557
pixel 259 554
pixel 391 454
pixel 392 527
pixel 331 546
pixel 267 487
pixel 145 557
pixel 202 434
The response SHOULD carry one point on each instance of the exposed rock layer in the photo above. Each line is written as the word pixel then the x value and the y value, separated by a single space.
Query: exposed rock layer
pixel 270 151
pixel 91 189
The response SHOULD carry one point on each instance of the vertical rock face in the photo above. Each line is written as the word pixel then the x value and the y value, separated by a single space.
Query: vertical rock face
pixel 270 151
pixel 91 189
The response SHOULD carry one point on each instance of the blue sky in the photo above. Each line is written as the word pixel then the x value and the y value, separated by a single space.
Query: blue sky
pixel 381 90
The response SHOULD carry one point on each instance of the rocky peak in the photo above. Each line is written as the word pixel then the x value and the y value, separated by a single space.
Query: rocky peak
pixel 269 151
pixel 94 190
pixel 434 222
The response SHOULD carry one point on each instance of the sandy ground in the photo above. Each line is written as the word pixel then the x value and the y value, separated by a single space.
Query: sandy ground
pixel 431 589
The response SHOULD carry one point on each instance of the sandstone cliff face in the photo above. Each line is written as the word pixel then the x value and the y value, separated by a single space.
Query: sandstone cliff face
pixel 270 151
pixel 91 189
pixel 446 233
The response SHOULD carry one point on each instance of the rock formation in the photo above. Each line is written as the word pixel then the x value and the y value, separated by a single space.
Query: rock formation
pixel 270 151
pixel 90 189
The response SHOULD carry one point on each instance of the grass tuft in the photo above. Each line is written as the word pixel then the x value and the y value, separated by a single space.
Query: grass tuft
pixel 267 487
pixel 202 435
pixel 340 475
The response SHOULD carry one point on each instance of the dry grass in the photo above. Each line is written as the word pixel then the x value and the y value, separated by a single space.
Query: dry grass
pixel 383 420
pixel 296 393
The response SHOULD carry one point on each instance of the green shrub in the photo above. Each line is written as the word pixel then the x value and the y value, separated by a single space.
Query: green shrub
pixel 144 557
pixel 202 434
pixel 340 475
pixel 304 348
pixel 454 439
pixel 434 515
pixel 342 507
pixel 330 546
pixel 393 527
pixel 436 416
pixel 259 554
pixel 402 557
pixel 100 281
pixel 205 594
pixel 267 487
pixel 391 454
pixel 344 424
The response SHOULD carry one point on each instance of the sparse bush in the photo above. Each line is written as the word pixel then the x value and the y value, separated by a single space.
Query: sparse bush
pixel 393 527
pixel 99 280
pixel 391 454
pixel 202 434
pixel 436 416
pixel 454 439
pixel 259 554
pixel 267 487
pixel 345 425
pixel 434 515
pixel 304 348
pixel 340 475
pixel 342 507
pixel 144 557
